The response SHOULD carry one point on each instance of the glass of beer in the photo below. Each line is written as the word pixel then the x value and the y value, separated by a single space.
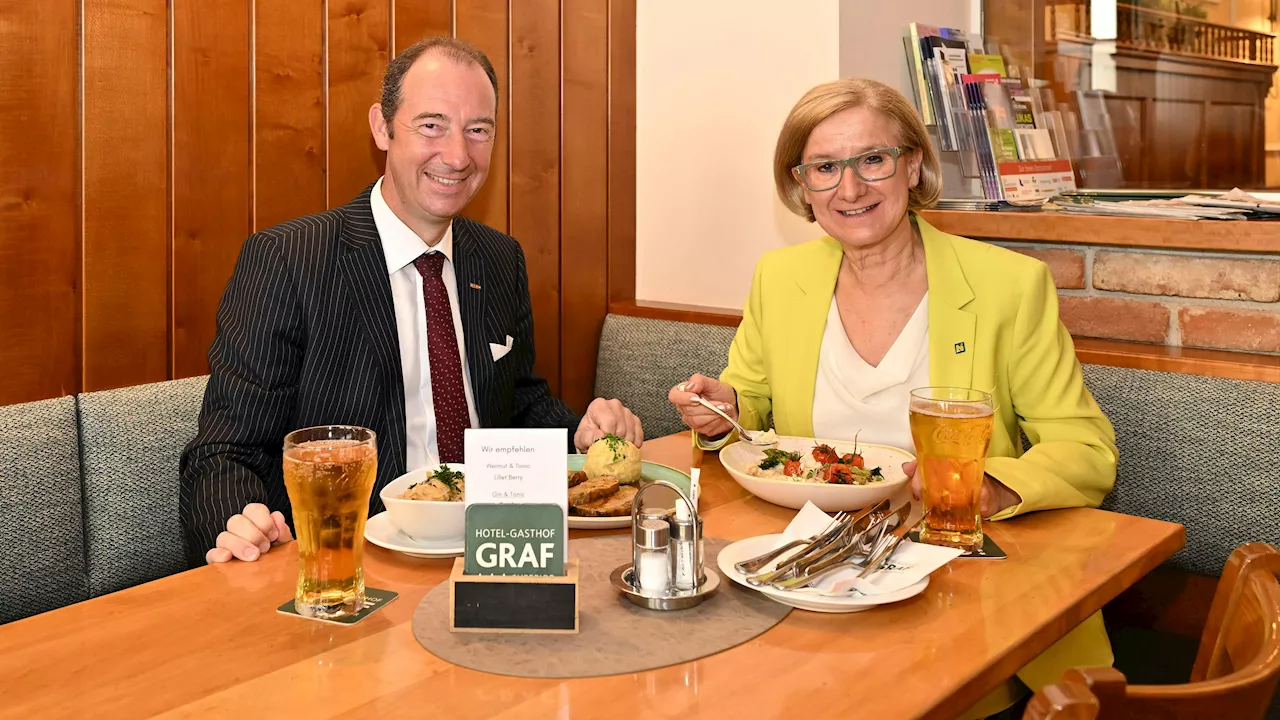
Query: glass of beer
pixel 329 472
pixel 952 431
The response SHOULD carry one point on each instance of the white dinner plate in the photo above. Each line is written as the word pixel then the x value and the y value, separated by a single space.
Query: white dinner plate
pixel 379 531
pixel 806 598
pixel 737 457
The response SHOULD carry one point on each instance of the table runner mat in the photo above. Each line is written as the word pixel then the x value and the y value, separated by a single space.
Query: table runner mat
pixel 614 637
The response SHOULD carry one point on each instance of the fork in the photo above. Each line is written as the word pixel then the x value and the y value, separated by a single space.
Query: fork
pixel 885 550
pixel 751 436
pixel 816 550
pixel 746 567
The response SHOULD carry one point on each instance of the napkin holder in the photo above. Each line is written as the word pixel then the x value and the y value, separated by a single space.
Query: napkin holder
pixel 514 603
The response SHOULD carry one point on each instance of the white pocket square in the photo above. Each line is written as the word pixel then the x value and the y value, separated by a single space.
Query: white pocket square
pixel 500 350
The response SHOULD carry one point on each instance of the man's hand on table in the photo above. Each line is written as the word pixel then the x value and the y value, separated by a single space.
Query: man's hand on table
pixel 607 417
pixel 996 496
pixel 250 534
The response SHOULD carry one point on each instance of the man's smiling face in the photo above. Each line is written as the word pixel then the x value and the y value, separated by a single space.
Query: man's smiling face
pixel 439 142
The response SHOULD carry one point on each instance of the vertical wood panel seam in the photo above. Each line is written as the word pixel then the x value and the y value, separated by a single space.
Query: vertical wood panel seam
pixel 253 115
pixel 511 95
pixel 80 364
pixel 172 358
pixel 608 154
pixel 453 18
pixel 560 294
pixel 391 30
pixel 324 89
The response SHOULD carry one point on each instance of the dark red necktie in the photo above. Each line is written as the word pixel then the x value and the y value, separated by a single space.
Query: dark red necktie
pixel 447 393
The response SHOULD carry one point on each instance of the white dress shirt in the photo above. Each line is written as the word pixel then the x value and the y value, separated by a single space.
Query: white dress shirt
pixel 402 246
pixel 851 395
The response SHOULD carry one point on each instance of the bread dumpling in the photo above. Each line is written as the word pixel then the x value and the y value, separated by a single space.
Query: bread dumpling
pixel 613 456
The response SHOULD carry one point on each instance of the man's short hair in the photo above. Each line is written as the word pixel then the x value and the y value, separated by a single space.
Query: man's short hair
pixel 458 50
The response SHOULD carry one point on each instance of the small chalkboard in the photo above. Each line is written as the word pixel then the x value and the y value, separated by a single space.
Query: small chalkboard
pixel 514 603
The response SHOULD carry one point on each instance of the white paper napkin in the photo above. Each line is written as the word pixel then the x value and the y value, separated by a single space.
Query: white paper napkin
pixel 910 563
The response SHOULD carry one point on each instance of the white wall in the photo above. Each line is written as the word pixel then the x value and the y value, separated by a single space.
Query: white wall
pixel 871 33
pixel 714 81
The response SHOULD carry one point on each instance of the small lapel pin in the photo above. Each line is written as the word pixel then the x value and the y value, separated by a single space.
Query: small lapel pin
pixel 474 286
pixel 959 348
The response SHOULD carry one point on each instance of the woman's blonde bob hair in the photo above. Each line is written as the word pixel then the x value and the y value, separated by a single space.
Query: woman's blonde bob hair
pixel 830 98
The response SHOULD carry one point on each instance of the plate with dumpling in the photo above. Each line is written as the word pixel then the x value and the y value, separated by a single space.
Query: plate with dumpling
pixel 604 482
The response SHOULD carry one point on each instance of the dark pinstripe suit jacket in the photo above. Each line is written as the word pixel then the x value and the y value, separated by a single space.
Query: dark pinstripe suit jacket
pixel 306 335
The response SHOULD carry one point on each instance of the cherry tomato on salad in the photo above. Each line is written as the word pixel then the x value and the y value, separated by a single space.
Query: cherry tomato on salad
pixel 838 474
pixel 825 454
pixel 792 468
pixel 853 460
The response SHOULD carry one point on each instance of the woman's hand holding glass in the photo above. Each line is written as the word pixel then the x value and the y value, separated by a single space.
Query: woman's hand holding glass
pixel 996 496
pixel 695 416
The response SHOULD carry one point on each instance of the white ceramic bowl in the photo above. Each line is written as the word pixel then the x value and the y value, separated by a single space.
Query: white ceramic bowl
pixel 424 520
pixel 737 457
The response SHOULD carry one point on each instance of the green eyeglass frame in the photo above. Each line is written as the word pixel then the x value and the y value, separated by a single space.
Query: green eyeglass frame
pixel 851 163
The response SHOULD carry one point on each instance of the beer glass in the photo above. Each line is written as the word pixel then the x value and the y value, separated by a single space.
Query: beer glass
pixel 952 431
pixel 329 472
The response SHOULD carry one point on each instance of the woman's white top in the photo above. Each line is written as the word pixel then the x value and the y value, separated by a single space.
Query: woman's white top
pixel 851 395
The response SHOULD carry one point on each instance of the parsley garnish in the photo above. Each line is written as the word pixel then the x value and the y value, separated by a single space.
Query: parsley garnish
pixel 615 444
pixel 447 477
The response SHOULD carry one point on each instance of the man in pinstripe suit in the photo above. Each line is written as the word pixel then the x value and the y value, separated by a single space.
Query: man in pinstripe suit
pixel 391 312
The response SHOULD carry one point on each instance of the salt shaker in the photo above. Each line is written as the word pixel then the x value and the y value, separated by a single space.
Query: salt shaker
pixel 650 556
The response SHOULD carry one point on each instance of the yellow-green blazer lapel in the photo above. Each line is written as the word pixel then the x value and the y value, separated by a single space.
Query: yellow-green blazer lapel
pixel 951 328
pixel 815 284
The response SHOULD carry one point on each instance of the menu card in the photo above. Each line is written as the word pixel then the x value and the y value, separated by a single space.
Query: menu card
pixel 517 501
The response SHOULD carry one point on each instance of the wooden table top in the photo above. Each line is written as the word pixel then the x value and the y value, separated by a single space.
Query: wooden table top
pixel 210 642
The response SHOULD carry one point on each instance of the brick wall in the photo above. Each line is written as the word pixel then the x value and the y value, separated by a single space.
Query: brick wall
pixel 1192 299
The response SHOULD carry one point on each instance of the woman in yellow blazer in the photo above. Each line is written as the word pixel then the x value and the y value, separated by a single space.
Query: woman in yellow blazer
pixel 854 156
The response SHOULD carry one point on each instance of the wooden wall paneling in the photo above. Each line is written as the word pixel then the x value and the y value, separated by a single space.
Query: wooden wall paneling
pixel 535 167
pixel 211 166
pixel 584 199
pixel 1230 132
pixel 412 20
pixel 484 23
pixel 39 232
pixel 622 150
pixel 289 150
pixel 1177 149
pixel 358 42
pixel 125 328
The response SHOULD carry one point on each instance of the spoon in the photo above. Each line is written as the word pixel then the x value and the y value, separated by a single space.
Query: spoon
pixel 751 436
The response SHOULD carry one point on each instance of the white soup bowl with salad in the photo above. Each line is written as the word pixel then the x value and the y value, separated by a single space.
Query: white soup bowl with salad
pixel 433 511
pixel 832 474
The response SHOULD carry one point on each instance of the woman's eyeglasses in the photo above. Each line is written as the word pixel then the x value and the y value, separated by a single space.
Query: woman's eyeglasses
pixel 870 166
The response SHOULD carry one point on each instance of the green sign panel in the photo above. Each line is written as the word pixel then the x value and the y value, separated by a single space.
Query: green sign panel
pixel 515 540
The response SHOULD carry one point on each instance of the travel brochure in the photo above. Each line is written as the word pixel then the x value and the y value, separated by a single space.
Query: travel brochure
pixel 996 122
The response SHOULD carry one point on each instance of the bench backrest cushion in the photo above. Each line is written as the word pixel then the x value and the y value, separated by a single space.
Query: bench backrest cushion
pixel 1200 451
pixel 42 564
pixel 132 441
pixel 641 359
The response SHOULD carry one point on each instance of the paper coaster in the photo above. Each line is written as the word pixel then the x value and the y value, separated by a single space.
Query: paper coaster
pixel 989 550
pixel 374 599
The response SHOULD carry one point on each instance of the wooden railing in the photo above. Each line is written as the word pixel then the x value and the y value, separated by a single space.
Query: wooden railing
pixel 1066 19
pixel 1145 29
